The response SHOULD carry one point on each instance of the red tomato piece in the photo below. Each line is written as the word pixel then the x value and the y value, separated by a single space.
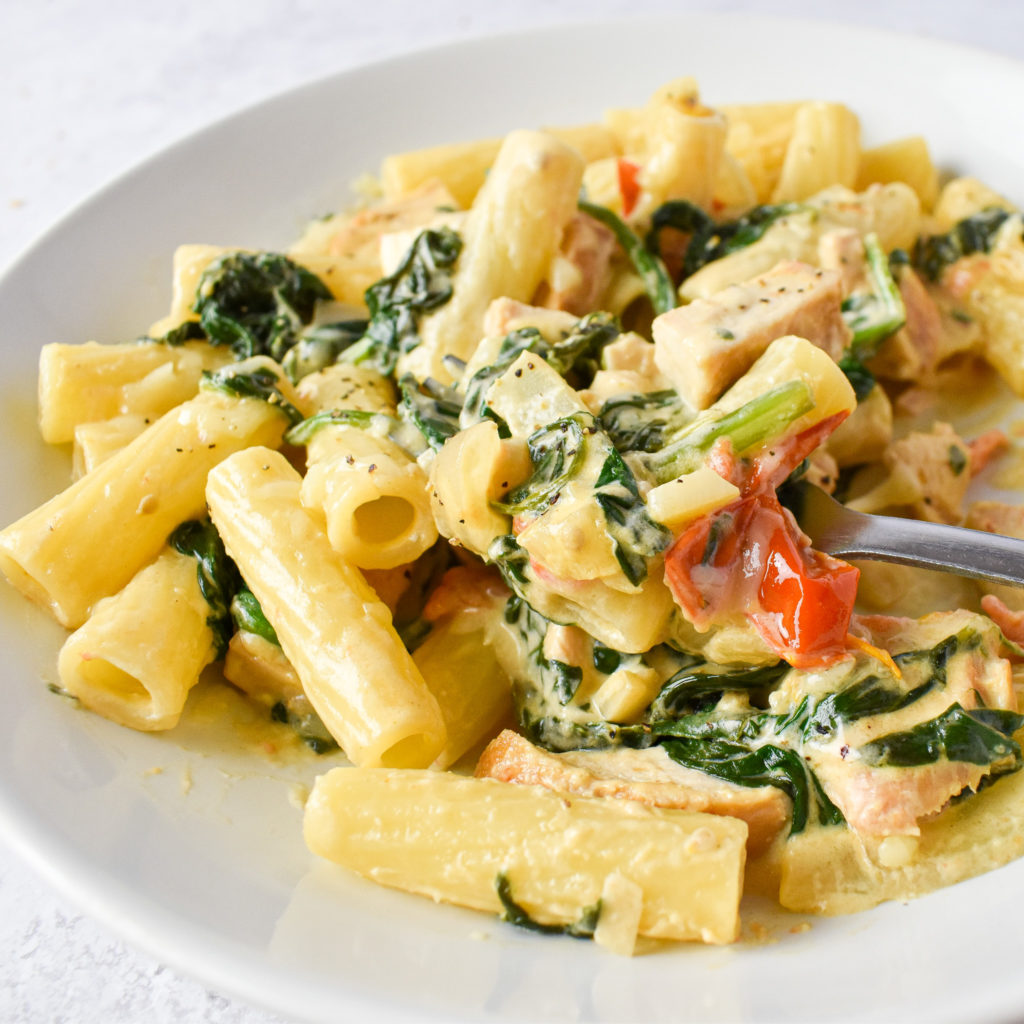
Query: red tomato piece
pixel 804 600
pixel 629 184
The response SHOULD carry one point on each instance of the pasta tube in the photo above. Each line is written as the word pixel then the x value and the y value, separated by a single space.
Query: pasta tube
pixel 512 233
pixel 684 144
pixel 841 871
pixel 907 160
pixel 87 542
pixel 334 630
pixel 138 655
pixel 824 150
pixel 92 382
pixel 372 495
pixel 189 263
pixel 463 166
pixel 471 471
pixel 758 137
pixel 475 695
pixel 450 838
pixel 96 442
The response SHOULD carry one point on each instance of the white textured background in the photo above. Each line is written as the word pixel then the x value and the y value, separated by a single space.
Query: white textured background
pixel 89 89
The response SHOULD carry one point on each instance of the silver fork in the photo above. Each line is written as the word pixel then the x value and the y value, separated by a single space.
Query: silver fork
pixel 837 530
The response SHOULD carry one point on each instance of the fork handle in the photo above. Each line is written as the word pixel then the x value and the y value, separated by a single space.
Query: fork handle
pixel 980 555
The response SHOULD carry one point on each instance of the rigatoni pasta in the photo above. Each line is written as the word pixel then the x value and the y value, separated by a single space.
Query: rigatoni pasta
pixel 372 495
pixel 333 629
pixel 140 652
pixel 87 542
pixel 512 232
pixel 89 383
pixel 555 852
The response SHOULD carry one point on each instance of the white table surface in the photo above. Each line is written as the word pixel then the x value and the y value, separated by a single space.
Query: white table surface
pixel 87 91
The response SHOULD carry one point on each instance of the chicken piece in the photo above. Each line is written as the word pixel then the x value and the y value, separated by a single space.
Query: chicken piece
pixel 1009 620
pixel 365 227
pixel 629 369
pixel 260 669
pixel 913 352
pixel 506 315
pixel 706 346
pixel 465 588
pixel 822 470
pixel 648 776
pixel 630 351
pixel 1000 517
pixel 568 644
pixel 842 250
pixel 891 801
pixel 346 250
pixel 582 268
pixel 928 474
pixel 996 517
pixel 885 800
pixel 863 436
pixel 974 677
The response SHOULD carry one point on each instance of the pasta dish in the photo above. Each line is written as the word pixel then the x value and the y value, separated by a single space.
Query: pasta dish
pixel 489 491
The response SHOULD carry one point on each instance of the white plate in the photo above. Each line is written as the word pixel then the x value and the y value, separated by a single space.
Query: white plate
pixel 202 861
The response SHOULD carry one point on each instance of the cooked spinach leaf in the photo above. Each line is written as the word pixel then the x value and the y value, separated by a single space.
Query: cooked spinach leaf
pixel 256 303
pixel 934 253
pixel 551 675
pixel 557 452
pixel 606 659
pixel 218 575
pixel 247 614
pixel 657 283
pixel 643 422
pixel 304 431
pixel 432 408
pixel 190 330
pixel 299 715
pixel 981 736
pixel 740 749
pixel 635 536
pixel 513 913
pixel 319 346
pixel 421 283
pixel 576 357
pixel 544 694
pixel 693 684
pixel 861 379
pixel 872 695
pixel 709 240
pixel 423 577
pixel 261 383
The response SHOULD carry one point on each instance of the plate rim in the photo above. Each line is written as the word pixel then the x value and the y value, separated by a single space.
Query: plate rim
pixel 37 846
